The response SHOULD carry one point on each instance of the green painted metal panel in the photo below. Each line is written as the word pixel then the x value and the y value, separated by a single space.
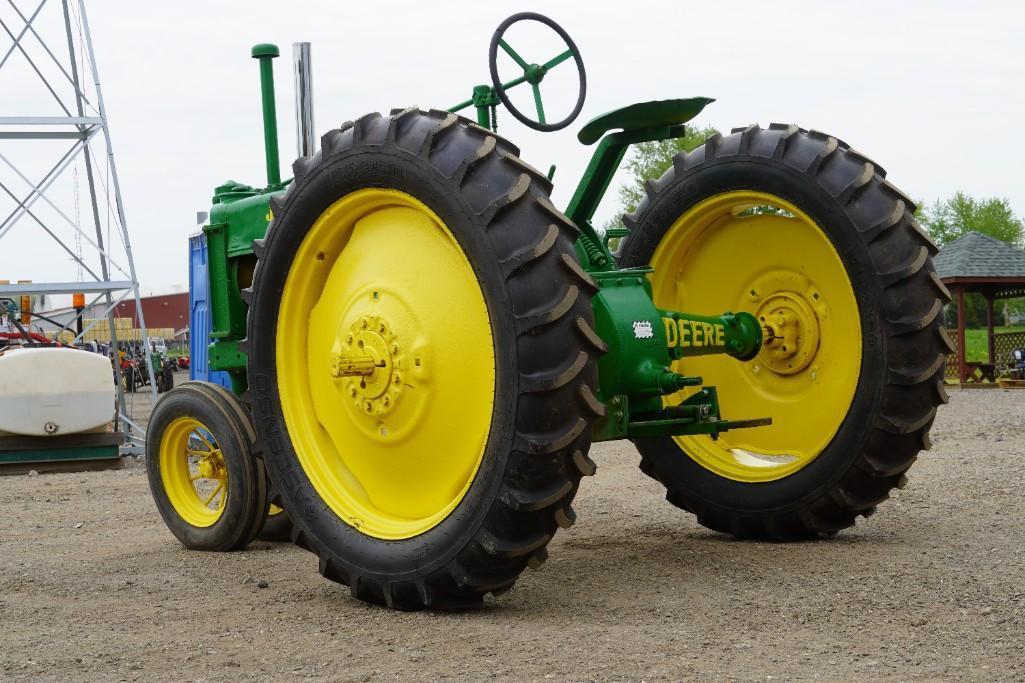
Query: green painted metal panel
pixel 59 454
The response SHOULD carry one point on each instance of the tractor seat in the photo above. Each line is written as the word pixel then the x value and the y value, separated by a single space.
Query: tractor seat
pixel 643 115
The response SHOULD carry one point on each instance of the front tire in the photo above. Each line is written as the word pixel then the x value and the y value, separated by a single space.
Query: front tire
pixel 208 484
pixel 799 228
pixel 424 241
pixel 167 379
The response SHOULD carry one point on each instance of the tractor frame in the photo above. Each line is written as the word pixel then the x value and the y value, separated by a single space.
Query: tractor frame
pixel 641 340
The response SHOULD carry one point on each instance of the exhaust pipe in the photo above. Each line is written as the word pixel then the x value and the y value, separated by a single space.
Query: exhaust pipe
pixel 305 134
pixel 265 52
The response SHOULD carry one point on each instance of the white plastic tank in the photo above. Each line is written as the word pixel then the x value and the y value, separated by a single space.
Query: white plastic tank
pixel 54 391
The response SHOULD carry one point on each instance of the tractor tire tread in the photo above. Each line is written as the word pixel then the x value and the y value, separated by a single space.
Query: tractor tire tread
pixel 242 421
pixel 242 523
pixel 911 304
pixel 548 458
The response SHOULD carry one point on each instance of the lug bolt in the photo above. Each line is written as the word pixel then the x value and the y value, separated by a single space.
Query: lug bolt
pixel 363 323
pixel 387 400
pixel 394 348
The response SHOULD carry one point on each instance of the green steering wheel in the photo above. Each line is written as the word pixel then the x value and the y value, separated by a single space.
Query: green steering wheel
pixel 535 73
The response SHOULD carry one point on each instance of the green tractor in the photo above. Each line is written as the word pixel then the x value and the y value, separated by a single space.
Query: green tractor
pixel 423 347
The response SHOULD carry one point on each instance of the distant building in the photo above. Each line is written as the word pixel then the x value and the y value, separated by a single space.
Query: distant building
pixel 163 311
pixel 160 310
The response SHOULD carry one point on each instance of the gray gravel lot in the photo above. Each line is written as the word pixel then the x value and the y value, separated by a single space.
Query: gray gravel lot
pixel 932 587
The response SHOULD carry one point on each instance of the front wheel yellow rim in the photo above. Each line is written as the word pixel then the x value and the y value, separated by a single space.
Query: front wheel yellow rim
pixel 193 472
pixel 753 251
pixel 385 364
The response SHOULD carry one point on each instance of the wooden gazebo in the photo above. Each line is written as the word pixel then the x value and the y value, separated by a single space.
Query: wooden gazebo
pixel 979 263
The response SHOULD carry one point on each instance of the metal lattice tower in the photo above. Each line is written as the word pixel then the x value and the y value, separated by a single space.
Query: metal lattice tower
pixel 52 38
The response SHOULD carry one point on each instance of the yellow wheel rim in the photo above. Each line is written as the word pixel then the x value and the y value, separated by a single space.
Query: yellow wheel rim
pixel 193 472
pixel 755 252
pixel 385 364
pixel 273 510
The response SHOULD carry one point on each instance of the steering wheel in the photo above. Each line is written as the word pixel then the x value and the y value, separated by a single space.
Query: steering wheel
pixel 534 73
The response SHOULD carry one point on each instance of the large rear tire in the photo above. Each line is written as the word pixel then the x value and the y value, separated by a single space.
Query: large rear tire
pixel 802 230
pixel 421 240
pixel 277 527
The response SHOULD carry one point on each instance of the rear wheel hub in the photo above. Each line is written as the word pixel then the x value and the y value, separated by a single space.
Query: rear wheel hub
pixel 789 308
pixel 806 373
pixel 375 390
pixel 385 364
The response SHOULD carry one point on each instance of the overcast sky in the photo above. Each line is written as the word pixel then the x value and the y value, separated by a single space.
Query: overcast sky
pixel 934 91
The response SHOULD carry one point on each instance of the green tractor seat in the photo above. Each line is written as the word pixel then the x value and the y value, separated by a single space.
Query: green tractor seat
pixel 655 114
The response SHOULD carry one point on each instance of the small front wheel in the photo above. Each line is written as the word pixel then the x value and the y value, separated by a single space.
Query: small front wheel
pixel 166 379
pixel 209 486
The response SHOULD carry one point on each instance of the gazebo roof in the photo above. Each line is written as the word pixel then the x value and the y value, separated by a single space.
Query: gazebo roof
pixel 977 257
pixel 979 263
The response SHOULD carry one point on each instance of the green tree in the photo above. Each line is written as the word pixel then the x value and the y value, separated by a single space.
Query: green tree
pixel 652 159
pixel 948 219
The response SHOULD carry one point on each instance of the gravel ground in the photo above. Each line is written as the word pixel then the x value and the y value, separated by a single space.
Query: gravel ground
pixel 932 587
